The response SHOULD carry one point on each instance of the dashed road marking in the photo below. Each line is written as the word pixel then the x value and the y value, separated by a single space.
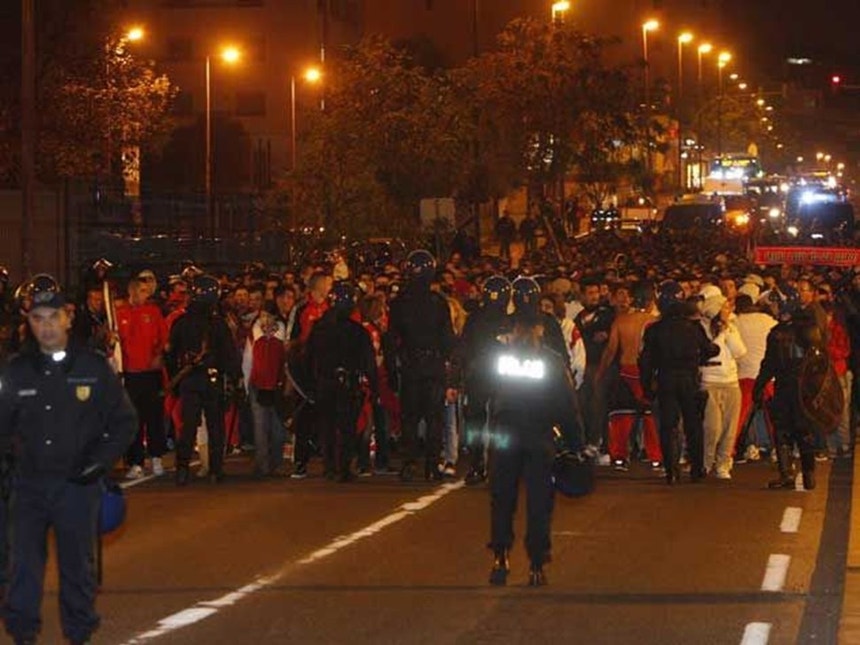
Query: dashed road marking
pixel 206 608
pixel 791 519
pixel 756 634
pixel 776 572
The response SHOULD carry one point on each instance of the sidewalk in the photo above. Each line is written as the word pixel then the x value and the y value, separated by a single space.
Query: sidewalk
pixel 849 622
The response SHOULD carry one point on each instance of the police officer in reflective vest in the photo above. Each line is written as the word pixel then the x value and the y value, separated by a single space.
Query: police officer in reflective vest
pixel 203 362
pixel 344 367
pixel 473 356
pixel 673 350
pixel 532 392
pixel 421 326
pixel 69 420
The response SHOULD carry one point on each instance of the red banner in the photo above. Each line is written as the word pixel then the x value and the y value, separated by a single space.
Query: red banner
pixel 837 256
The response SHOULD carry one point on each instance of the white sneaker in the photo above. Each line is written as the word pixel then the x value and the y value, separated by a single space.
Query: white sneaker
pixel 752 453
pixel 724 474
pixel 157 467
pixel 135 472
pixel 604 460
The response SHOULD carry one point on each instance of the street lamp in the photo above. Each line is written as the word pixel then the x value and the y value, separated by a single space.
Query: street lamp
pixel 310 75
pixel 559 9
pixel 704 48
pixel 650 25
pixel 683 39
pixel 229 55
pixel 135 34
pixel 722 60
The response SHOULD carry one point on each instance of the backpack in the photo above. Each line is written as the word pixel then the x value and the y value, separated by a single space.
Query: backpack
pixel 819 391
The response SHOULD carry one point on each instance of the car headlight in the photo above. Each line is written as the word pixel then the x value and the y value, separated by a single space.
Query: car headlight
pixel 742 220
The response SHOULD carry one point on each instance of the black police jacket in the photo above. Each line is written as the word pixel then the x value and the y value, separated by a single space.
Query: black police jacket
pixel 421 326
pixel 339 343
pixel 62 416
pixel 201 336
pixel 787 344
pixel 531 388
pixel 479 338
pixel 673 346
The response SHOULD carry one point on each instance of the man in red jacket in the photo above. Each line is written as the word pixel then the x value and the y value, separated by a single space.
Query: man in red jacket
pixel 142 336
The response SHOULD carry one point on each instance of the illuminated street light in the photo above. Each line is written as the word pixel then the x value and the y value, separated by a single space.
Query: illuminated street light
pixel 760 102
pixel 310 75
pixel 683 39
pixel 135 34
pixel 819 156
pixel 229 55
pixel 559 9
pixel 800 160
pixel 704 48
pixel 734 77
pixel 742 86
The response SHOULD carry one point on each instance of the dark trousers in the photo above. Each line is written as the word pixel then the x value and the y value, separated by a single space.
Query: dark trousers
pixel 477 433
pixel 145 391
pixel 592 403
pixel 521 453
pixel 200 398
pixel 422 398
pixel 340 406
pixel 791 429
pixel 72 511
pixel 303 426
pixel 679 397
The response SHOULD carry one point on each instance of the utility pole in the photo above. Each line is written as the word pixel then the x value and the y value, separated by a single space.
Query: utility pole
pixel 28 131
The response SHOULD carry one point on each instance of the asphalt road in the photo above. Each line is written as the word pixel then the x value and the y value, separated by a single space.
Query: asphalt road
pixel 379 561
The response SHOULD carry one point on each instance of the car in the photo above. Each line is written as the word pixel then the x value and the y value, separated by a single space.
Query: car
pixel 693 216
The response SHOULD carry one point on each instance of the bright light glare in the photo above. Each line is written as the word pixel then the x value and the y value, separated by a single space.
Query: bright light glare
pixel 724 57
pixel 312 74
pixel 231 55
pixel 560 7
pixel 512 366
pixel 792 230
pixel 742 86
pixel 685 38
pixel 706 48
pixel 134 34
pixel 650 25
pixel 774 213
pixel 734 77
pixel 831 182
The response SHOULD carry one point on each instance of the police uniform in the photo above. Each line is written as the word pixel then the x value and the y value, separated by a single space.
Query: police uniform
pixel 69 419
pixel 421 326
pixel 482 329
pixel 787 344
pixel 200 342
pixel 344 366
pixel 531 393
pixel 673 350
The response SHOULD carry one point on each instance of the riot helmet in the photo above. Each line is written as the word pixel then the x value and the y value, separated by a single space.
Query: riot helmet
pixel 496 292
pixel 342 295
pixel 43 290
pixel 670 295
pixel 420 265
pixel 526 294
pixel 205 290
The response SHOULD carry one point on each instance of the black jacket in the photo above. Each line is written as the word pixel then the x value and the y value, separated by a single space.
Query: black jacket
pixel 421 326
pixel 673 346
pixel 61 416
pixel 193 329
pixel 337 342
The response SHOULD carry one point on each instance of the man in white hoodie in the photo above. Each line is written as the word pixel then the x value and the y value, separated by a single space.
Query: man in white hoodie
pixel 720 381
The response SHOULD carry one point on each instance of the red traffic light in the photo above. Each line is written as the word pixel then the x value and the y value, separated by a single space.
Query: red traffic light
pixel 835 79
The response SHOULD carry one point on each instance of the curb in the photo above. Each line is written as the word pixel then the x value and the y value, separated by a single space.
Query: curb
pixel 849 621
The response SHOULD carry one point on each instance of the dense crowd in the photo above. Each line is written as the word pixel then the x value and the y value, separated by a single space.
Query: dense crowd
pixel 602 296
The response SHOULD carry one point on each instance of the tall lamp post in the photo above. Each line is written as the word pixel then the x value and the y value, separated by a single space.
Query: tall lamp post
pixel 310 75
pixel 683 39
pixel 649 25
pixel 722 60
pixel 704 48
pixel 231 56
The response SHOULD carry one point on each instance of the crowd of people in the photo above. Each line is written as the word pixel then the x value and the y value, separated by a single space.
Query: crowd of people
pixel 410 382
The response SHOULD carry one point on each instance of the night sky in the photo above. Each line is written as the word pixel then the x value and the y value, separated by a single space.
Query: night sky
pixel 827 31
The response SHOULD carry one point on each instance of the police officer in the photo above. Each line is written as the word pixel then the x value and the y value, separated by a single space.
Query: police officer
pixel 344 367
pixel 480 334
pixel 674 348
pixel 203 362
pixel 421 327
pixel 69 418
pixel 787 344
pixel 531 393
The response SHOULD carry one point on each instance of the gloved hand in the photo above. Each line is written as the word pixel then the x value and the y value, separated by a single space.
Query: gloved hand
pixel 89 475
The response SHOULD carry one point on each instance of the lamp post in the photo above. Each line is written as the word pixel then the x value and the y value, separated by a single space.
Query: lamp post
pixel 649 25
pixel 310 75
pixel 231 56
pixel 722 60
pixel 683 39
pixel 704 48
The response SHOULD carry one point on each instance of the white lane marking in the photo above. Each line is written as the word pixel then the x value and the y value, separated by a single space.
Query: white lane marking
pixel 206 608
pixel 776 572
pixel 756 634
pixel 791 519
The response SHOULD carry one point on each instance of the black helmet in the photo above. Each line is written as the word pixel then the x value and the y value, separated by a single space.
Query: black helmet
pixel 206 290
pixel 44 291
pixel 496 291
pixel 4 275
pixel 342 295
pixel 572 474
pixel 526 294
pixel 670 294
pixel 420 264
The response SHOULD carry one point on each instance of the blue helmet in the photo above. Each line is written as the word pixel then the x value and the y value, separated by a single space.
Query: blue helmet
pixel 526 292
pixel 496 291
pixel 420 264
pixel 112 511
pixel 572 474
pixel 670 293
pixel 342 295
pixel 206 290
